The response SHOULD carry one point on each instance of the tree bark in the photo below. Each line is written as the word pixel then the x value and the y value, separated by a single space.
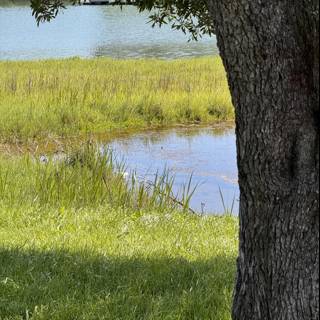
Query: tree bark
pixel 270 49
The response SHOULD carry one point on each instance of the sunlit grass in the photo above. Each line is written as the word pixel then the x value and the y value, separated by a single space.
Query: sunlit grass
pixel 72 96
pixel 87 178
pixel 111 264
pixel 5 3
pixel 79 238
pixel 79 241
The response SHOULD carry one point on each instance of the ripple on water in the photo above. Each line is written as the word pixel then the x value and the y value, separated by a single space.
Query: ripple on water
pixel 91 31
pixel 207 153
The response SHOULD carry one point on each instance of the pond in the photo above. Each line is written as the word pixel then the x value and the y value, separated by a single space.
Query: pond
pixel 92 31
pixel 208 154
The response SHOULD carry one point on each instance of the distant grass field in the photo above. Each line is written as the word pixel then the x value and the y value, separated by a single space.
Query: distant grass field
pixel 78 242
pixel 5 3
pixel 60 98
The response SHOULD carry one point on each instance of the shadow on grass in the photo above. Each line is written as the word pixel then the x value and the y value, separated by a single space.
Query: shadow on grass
pixel 65 285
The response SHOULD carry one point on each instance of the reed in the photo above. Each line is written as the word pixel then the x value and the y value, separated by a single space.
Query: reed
pixel 86 178
pixel 73 96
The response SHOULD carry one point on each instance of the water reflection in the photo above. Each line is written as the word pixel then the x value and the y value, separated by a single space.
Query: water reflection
pixel 92 31
pixel 161 51
pixel 208 153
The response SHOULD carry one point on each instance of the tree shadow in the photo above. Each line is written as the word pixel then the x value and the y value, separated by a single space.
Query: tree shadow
pixel 78 285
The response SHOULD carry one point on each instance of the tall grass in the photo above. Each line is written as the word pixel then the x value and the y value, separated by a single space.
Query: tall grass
pixel 86 178
pixel 8 3
pixel 72 96
pixel 226 209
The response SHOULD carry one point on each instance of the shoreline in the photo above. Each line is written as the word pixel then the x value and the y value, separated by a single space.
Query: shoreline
pixel 81 97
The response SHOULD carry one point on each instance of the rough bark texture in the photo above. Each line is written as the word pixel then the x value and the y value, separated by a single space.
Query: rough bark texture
pixel 271 53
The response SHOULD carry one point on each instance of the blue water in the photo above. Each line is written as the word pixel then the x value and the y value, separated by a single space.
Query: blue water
pixel 91 31
pixel 209 154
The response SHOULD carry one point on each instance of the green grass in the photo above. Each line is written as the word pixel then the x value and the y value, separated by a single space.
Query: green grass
pixel 110 264
pixel 63 98
pixel 7 3
pixel 86 178
pixel 75 247
pixel 79 241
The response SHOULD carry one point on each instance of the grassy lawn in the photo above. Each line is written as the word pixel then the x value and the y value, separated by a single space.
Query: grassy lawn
pixel 113 264
pixel 61 98
pixel 77 241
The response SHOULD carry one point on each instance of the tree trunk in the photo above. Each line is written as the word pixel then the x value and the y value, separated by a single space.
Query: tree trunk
pixel 271 54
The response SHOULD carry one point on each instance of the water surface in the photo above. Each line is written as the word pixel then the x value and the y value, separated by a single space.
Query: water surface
pixel 92 31
pixel 207 153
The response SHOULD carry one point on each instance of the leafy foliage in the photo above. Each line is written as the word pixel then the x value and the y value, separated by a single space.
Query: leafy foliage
pixel 189 16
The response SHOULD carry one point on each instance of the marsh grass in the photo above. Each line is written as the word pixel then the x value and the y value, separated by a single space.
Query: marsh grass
pixel 74 96
pixel 88 177
pixel 227 210
pixel 10 3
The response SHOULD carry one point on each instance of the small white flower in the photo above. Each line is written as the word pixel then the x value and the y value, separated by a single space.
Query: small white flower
pixel 43 159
